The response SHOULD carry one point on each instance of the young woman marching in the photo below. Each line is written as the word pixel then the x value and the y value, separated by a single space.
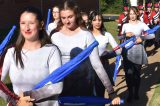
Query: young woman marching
pixel 104 38
pixel 31 60
pixel 71 40
pixel 134 57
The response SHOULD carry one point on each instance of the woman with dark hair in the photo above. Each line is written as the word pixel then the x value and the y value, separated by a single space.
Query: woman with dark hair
pixel 136 56
pixel 31 60
pixel 104 38
pixel 71 40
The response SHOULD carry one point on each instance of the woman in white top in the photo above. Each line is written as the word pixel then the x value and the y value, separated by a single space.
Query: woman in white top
pixel 134 57
pixel 31 60
pixel 104 38
pixel 56 17
pixel 71 40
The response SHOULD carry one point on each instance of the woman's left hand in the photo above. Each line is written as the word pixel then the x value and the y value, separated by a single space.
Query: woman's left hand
pixel 138 40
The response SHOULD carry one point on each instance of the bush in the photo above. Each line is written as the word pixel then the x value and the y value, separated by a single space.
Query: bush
pixel 111 6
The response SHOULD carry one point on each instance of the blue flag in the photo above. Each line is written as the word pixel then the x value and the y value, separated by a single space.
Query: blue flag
pixel 48 18
pixel 117 66
pixel 151 31
pixel 123 44
pixel 84 101
pixel 7 39
pixel 67 68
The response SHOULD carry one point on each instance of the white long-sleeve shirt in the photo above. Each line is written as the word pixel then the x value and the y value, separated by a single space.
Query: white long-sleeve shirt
pixel 137 29
pixel 137 54
pixel 52 26
pixel 38 64
pixel 82 40
pixel 104 40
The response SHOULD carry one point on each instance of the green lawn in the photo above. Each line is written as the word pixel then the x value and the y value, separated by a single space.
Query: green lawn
pixel 155 101
pixel 7 82
pixel 111 27
pixel 2 103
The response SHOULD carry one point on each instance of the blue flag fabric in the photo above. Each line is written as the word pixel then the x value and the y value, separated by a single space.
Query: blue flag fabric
pixel 123 44
pixel 7 39
pixel 131 43
pixel 117 66
pixel 151 31
pixel 127 41
pixel 84 101
pixel 67 68
pixel 48 18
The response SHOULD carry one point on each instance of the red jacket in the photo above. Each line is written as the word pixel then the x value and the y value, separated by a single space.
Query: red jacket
pixel 121 20
pixel 154 16
pixel 144 18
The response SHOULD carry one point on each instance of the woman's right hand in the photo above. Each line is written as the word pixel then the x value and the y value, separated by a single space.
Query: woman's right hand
pixel 24 100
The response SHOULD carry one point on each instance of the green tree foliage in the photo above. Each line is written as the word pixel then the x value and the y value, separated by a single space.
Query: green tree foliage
pixel 111 6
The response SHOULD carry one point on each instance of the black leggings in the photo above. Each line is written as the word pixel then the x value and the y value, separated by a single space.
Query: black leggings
pixel 99 87
pixel 132 75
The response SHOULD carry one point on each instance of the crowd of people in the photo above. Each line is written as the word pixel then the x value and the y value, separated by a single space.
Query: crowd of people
pixel 38 52
pixel 149 14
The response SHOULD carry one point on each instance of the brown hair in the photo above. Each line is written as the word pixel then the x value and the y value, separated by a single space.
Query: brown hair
pixel 53 8
pixel 71 5
pixel 43 37
pixel 135 10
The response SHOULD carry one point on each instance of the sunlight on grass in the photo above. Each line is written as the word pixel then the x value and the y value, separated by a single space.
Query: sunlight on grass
pixel 155 101
pixel 2 102
pixel 111 27
pixel 7 82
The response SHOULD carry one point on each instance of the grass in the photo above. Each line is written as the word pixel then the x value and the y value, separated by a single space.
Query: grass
pixel 111 27
pixel 155 100
pixel 2 103
pixel 7 82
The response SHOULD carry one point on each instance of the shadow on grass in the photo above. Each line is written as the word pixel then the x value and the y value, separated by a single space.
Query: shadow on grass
pixel 155 101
